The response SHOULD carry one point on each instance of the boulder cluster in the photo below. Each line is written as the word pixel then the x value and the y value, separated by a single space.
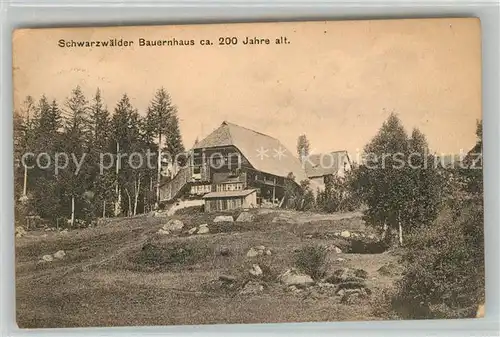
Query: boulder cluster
pixel 258 251
pixel 176 226
pixel 59 255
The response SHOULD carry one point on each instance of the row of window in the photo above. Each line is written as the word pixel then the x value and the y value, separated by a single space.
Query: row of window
pixel 201 189
pixel 229 187
pixel 224 204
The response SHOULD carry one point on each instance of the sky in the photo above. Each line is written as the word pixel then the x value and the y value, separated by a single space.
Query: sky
pixel 335 82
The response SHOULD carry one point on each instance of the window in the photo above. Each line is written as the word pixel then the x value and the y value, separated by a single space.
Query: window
pixel 217 160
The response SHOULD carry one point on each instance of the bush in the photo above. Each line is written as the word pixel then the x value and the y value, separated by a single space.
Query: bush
pixel 312 261
pixel 444 275
pixel 383 304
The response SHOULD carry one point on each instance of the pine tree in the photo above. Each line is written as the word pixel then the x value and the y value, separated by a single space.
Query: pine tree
pixel 173 142
pixel 164 122
pixel 303 147
pixel 76 139
pixel 148 134
pixel 127 136
pixel 100 146
pixel 44 184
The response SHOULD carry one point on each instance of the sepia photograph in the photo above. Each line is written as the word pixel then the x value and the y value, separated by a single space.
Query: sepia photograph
pixel 278 172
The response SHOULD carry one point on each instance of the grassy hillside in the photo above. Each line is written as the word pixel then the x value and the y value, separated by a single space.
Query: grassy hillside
pixel 125 273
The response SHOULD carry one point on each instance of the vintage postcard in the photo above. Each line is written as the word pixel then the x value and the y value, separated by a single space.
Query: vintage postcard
pixel 248 173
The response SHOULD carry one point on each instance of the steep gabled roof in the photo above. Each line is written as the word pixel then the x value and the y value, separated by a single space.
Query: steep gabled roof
pixel 262 151
pixel 319 165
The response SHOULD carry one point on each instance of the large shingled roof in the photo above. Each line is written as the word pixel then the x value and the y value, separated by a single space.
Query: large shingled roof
pixel 252 144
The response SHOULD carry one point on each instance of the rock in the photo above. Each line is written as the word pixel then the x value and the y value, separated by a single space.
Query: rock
pixel 203 229
pixel 59 254
pixel 296 278
pixel 354 235
pixel 326 285
pixel 334 249
pixel 268 252
pixel 245 217
pixel 294 289
pixel 223 218
pixel 372 236
pixel 340 259
pixel 260 247
pixel 345 234
pixel 337 234
pixel 309 236
pixel 341 292
pixel 252 252
pixel 255 270
pixel 162 231
pixel 47 258
pixel 160 214
pixel 64 231
pixel 192 230
pixel 252 288
pixel 173 225
pixel 227 278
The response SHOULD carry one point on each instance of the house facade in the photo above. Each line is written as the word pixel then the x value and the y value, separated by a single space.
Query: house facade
pixel 320 166
pixel 234 160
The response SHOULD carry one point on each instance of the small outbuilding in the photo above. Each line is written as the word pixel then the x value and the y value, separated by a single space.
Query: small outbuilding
pixel 229 200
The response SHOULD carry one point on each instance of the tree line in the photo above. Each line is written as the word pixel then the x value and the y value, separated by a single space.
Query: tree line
pixel 84 130
pixel 399 182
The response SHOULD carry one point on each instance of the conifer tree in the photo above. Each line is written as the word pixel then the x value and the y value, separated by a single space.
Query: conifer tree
pixel 44 185
pixel 303 147
pixel 173 141
pixel 100 146
pixel 165 126
pixel 127 136
pixel 148 134
pixel 76 139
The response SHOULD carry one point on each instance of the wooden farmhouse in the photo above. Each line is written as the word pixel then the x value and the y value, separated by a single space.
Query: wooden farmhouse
pixel 235 167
